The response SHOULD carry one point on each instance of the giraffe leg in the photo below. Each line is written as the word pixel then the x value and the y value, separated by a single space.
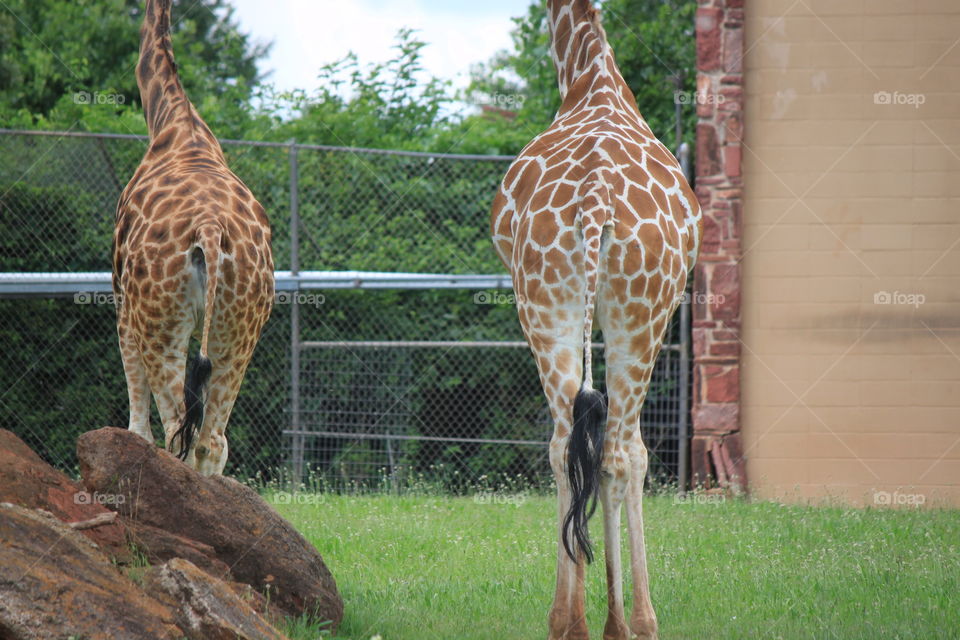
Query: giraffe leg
pixel 627 382
pixel 165 364
pixel 612 491
pixel 165 372
pixel 568 620
pixel 228 371
pixel 138 389
pixel 211 450
pixel 643 620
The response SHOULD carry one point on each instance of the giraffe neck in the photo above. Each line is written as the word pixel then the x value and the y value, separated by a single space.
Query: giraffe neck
pixel 165 104
pixel 586 69
pixel 578 42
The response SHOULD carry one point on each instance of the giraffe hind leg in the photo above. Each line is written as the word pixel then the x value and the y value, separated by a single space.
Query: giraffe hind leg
pixel 628 379
pixel 211 448
pixel 164 358
pixel 138 389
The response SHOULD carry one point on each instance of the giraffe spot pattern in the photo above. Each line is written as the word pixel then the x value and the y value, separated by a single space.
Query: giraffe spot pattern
pixel 185 222
pixel 595 215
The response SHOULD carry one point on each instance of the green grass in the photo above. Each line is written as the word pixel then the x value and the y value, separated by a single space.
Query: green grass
pixel 425 567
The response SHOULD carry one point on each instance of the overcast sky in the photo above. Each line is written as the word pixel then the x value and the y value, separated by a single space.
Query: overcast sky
pixel 309 33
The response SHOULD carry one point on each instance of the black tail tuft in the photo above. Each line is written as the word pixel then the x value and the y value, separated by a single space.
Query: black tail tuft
pixel 198 375
pixel 584 457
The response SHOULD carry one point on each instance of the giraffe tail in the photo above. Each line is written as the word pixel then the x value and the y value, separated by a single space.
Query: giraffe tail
pixel 206 260
pixel 584 459
pixel 585 447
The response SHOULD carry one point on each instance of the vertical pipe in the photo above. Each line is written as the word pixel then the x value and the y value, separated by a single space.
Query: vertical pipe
pixel 685 162
pixel 684 408
pixel 678 124
pixel 683 153
pixel 298 440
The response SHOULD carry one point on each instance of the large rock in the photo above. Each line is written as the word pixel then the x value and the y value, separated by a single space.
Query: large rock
pixel 209 609
pixel 26 480
pixel 158 545
pixel 55 583
pixel 260 547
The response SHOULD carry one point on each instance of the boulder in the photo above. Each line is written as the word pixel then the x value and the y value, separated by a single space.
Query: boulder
pixel 208 609
pixel 26 480
pixel 56 583
pixel 158 545
pixel 260 548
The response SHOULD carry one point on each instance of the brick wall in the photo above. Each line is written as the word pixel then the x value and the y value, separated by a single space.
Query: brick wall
pixel 716 445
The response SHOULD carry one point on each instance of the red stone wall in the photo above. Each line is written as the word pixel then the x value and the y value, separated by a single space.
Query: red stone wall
pixel 716 447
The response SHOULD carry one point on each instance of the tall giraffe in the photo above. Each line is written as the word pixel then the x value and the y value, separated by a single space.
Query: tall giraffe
pixel 191 250
pixel 596 215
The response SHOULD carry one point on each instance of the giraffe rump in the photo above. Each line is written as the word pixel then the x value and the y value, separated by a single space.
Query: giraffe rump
pixel 584 461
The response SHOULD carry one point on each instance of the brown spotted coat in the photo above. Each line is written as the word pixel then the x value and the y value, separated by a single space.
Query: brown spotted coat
pixel 191 256
pixel 595 215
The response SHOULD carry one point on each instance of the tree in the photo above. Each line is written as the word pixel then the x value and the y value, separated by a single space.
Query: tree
pixel 67 60
pixel 653 43
pixel 387 105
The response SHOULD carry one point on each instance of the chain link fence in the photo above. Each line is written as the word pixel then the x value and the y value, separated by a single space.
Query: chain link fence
pixel 386 359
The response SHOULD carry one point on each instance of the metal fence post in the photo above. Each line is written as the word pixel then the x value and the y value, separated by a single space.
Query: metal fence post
pixel 684 408
pixel 683 426
pixel 298 439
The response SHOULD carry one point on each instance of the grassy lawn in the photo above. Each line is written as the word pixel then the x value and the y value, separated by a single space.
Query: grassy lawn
pixel 425 567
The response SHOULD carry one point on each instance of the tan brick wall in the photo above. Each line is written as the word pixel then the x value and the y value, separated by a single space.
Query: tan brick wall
pixel 845 198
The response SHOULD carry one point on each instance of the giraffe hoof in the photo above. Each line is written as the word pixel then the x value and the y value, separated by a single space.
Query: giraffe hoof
pixel 615 631
pixel 649 633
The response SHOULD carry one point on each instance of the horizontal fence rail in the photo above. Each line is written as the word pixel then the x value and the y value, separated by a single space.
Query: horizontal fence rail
pixel 393 350
pixel 67 283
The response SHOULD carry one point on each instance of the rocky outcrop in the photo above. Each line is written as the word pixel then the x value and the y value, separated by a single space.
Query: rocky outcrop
pixel 207 608
pixel 158 545
pixel 151 487
pixel 55 583
pixel 176 554
pixel 26 480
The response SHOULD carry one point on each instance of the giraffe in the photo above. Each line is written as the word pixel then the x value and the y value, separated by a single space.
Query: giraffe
pixel 191 250
pixel 595 218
